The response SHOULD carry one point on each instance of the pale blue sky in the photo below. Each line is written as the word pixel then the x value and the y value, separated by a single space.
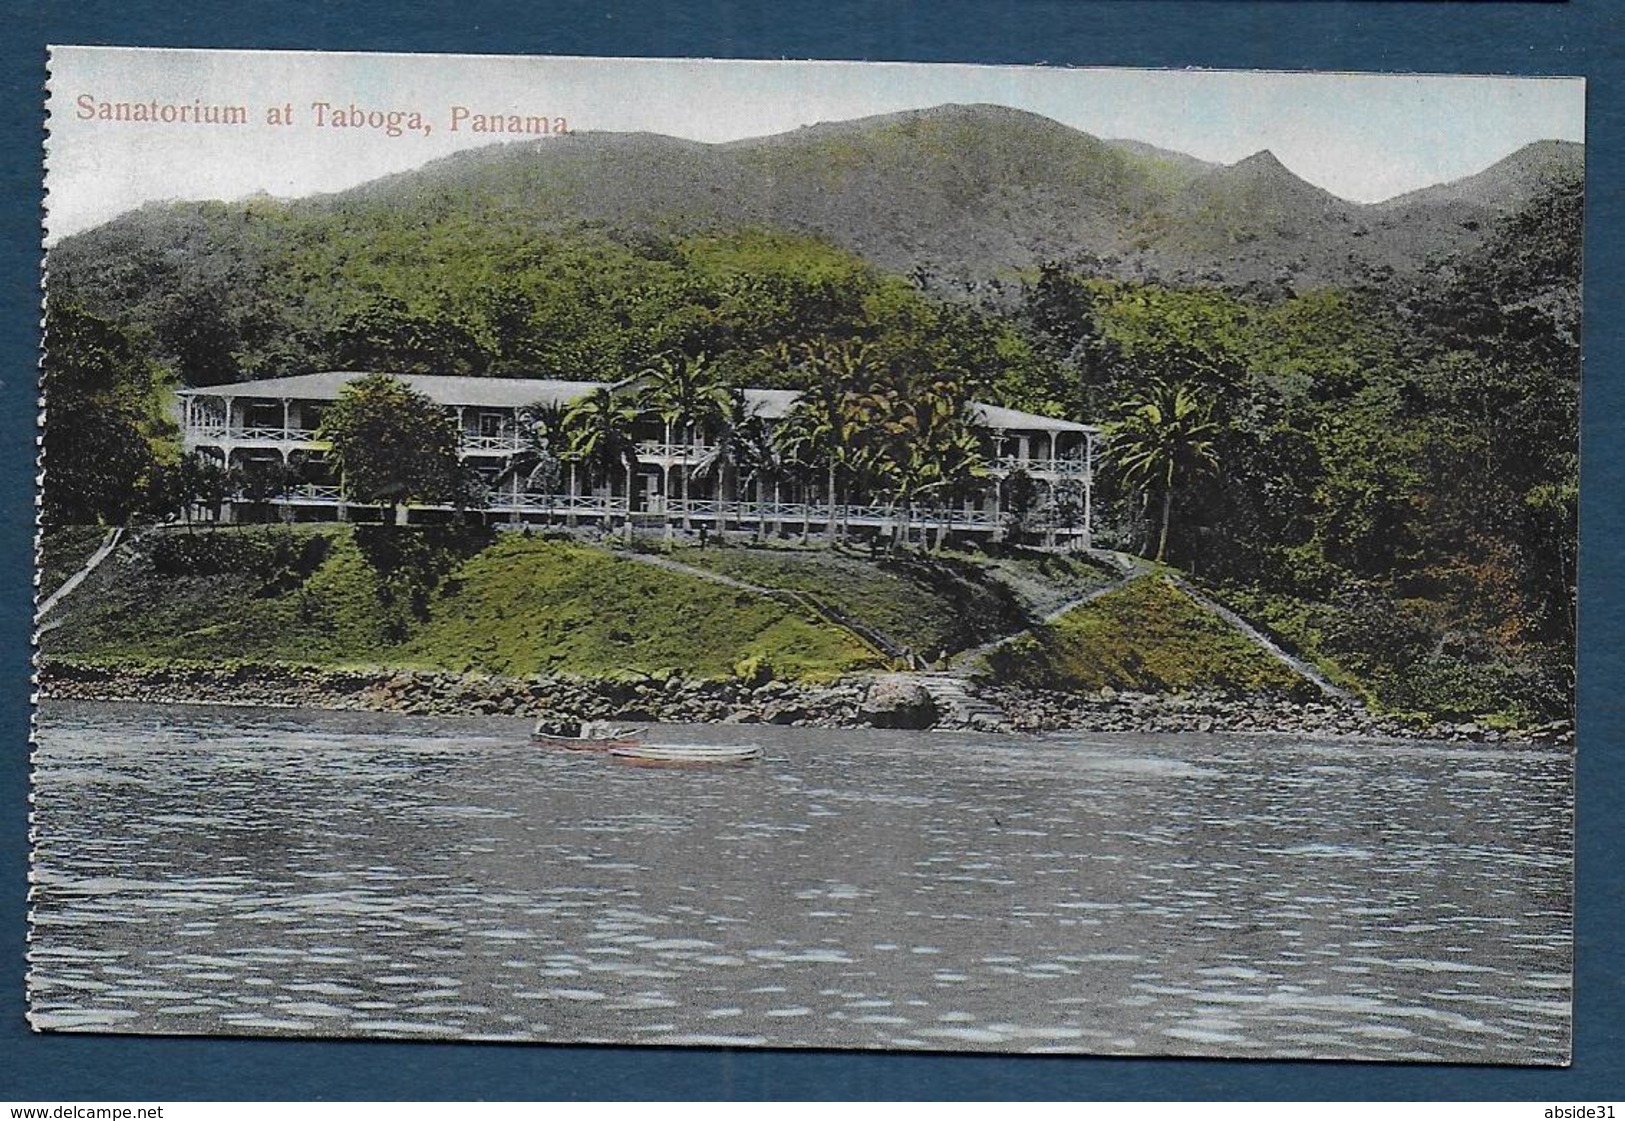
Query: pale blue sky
pixel 1365 137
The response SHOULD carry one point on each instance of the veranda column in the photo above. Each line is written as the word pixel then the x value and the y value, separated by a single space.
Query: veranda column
pixel 1088 490
pixel 629 483
pixel 664 466
pixel 231 429
pixel 998 486
pixel 228 507
pixel 1049 530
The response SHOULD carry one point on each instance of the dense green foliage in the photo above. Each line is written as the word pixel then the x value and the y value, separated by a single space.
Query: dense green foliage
pixel 1418 460
pixel 384 289
pixel 1146 637
pixel 106 430
pixel 391 445
pixel 1403 654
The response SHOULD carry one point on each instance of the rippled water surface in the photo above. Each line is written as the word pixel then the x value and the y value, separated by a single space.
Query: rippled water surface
pixel 253 872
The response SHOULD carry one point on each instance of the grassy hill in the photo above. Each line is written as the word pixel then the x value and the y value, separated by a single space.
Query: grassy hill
pixel 468 600
pixel 929 604
pixel 1146 637
pixel 474 601
pixel 515 606
pixel 529 606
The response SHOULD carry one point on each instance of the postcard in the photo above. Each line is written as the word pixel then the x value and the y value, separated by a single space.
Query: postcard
pixel 808 554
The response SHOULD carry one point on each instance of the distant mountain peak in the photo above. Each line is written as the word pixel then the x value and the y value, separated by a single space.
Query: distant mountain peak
pixel 1264 167
pixel 1258 177
pixel 968 117
pixel 1263 159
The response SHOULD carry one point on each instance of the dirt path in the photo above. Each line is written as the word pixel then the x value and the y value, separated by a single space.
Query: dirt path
pixel 1297 665
pixel 109 543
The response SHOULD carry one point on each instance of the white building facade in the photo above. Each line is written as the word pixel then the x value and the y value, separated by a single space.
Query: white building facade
pixel 274 423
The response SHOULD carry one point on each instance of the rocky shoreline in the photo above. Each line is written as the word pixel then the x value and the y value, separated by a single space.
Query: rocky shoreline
pixel 552 700
pixel 559 703
pixel 1033 710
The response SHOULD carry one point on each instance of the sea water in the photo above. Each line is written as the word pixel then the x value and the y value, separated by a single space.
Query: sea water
pixel 277 872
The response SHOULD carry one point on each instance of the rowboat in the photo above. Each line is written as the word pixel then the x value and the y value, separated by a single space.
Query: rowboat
pixel 578 743
pixel 591 736
pixel 685 754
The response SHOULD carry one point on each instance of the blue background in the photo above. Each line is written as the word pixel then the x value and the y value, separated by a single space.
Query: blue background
pixel 1580 37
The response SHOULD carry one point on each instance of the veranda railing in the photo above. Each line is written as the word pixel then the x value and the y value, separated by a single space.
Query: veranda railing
pixel 788 514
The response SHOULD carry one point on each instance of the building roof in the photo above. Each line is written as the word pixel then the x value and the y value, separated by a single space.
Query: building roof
pixel 504 393
pixel 515 393
pixel 997 416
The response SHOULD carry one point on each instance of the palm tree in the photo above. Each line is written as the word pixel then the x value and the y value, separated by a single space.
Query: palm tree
pixel 683 392
pixel 1162 438
pixel 962 469
pixel 818 433
pixel 763 465
pixel 601 437
pixel 904 430
pixel 748 449
pixel 809 445
pixel 797 450
pixel 536 466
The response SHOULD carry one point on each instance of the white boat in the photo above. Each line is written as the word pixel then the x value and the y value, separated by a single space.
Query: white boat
pixel 685 754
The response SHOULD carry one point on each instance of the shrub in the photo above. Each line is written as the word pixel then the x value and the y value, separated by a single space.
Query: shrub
pixel 754 670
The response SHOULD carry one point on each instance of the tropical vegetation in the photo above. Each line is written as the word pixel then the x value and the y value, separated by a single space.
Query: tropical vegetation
pixel 388 444
pixel 1383 476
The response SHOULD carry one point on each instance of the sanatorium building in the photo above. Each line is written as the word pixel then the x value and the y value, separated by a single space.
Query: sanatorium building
pixel 275 421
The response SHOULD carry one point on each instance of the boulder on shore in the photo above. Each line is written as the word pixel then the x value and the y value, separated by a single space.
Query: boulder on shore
pixel 894 703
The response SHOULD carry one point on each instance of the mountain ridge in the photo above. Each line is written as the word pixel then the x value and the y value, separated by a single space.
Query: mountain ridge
pixel 1514 177
pixel 971 195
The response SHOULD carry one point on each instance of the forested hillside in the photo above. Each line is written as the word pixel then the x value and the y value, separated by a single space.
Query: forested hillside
pixel 1377 460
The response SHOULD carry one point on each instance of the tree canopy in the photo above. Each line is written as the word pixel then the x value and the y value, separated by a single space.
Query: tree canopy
pixel 107 435
pixel 390 444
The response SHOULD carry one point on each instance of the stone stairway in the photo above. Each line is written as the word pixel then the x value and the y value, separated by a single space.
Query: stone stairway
pixel 958 706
